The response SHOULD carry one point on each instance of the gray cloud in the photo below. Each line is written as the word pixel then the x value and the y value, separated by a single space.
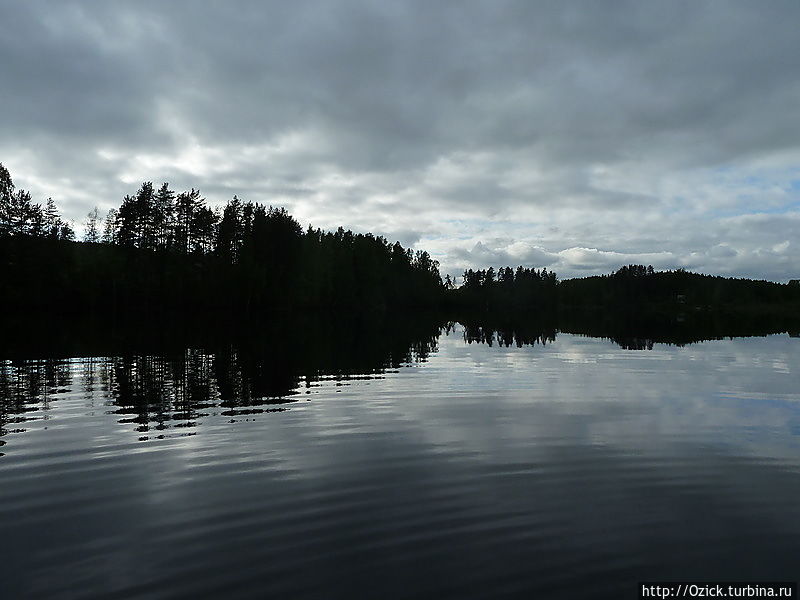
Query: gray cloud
pixel 573 136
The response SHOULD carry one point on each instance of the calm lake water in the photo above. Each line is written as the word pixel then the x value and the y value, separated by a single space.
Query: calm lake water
pixel 434 467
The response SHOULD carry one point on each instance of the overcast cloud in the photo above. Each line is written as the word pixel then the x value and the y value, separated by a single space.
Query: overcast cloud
pixel 579 136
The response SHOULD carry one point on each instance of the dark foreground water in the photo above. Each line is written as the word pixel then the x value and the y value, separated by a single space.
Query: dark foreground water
pixel 433 468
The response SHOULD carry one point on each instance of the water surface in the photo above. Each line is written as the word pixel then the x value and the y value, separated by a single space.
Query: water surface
pixel 441 467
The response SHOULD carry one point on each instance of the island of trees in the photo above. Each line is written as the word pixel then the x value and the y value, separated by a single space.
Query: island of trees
pixel 167 252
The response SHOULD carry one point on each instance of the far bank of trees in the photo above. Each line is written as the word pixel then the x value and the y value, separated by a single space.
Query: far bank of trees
pixel 636 305
pixel 520 290
pixel 630 288
pixel 642 286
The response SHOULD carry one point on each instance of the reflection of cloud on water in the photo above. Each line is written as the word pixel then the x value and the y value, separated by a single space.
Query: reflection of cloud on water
pixel 594 393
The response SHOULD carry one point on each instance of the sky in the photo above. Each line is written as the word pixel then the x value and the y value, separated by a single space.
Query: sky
pixel 576 136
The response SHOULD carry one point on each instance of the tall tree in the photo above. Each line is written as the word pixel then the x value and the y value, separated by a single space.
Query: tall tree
pixel 137 218
pixel 23 216
pixel 52 219
pixel 186 204
pixel 126 222
pixel 6 193
pixel 230 231
pixel 164 215
pixel 91 232
pixel 146 215
pixel 203 228
pixel 66 231
pixel 110 227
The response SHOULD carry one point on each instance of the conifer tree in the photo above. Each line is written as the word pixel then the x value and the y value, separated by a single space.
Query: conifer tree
pixel 110 227
pixel 164 216
pixel 186 204
pixel 6 192
pixel 91 233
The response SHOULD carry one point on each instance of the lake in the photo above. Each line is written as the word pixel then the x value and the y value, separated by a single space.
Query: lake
pixel 433 462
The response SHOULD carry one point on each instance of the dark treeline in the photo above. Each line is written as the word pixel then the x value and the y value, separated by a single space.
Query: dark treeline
pixel 633 287
pixel 640 286
pixel 522 290
pixel 636 306
pixel 168 251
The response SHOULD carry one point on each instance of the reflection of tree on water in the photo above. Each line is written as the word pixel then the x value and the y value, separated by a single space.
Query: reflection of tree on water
pixel 159 391
pixel 237 376
pixel 247 379
pixel 506 336
pixel 491 329
pixel 631 330
pixel 640 330
pixel 156 385
pixel 26 386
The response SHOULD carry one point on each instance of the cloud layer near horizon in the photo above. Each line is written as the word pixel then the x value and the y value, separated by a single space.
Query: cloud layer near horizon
pixel 576 136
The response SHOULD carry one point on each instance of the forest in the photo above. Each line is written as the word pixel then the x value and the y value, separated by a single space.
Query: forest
pixel 163 252
pixel 167 252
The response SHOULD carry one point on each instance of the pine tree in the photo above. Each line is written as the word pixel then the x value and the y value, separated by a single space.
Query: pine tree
pixel 6 193
pixel 203 226
pixel 110 227
pixel 126 222
pixel 230 231
pixel 66 231
pixel 146 216
pixel 185 206
pixel 21 213
pixel 164 216
pixel 52 219
pixel 91 233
